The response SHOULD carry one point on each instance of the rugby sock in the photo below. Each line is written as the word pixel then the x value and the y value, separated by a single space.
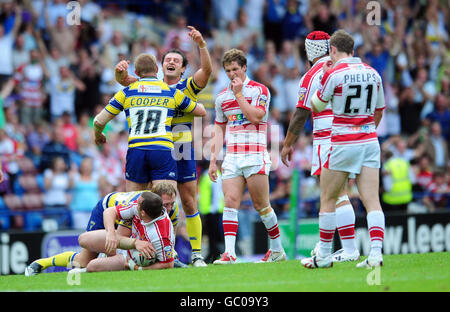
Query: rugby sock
pixel 194 230
pixel 230 226
pixel 59 260
pixel 327 227
pixel 375 224
pixel 271 223
pixel 345 222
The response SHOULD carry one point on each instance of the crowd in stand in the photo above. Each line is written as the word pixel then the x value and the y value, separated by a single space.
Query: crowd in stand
pixel 56 73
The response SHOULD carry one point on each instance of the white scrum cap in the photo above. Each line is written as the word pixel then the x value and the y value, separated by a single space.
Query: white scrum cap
pixel 317 44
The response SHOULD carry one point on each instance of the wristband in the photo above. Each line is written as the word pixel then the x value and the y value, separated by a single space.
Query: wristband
pixel 140 268
pixel 202 44
pixel 238 95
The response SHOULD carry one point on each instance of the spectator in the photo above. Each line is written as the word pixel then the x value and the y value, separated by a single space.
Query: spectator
pixel 85 138
pixel 62 37
pixel 424 174
pixel 20 55
pixel 273 21
pixel 437 146
pixel 109 165
pixel 7 39
pixel 397 183
pixel 85 193
pixel 30 78
pixel 399 148
pixel 88 71
pixel 70 131
pixel 62 93
pixel 424 92
pixel 9 156
pixel 178 32
pixel 293 26
pixel 378 58
pixel 438 192
pixel 55 148
pixel 57 184
pixel 324 19
pixel 113 49
pixel 37 138
pixel 441 114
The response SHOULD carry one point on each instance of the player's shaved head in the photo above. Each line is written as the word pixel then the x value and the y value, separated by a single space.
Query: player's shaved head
pixel 145 65
pixel 152 204
pixel 343 41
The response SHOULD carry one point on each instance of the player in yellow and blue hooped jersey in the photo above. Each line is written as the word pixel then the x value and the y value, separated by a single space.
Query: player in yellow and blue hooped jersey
pixel 149 106
pixel 174 64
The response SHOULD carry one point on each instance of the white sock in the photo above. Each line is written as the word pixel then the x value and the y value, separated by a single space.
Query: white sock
pixel 271 223
pixel 375 224
pixel 327 227
pixel 345 223
pixel 230 226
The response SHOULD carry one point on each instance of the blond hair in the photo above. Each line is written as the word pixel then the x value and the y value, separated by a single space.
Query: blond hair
pixel 145 64
pixel 164 188
pixel 234 55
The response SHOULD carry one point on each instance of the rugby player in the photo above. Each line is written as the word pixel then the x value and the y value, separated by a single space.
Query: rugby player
pixel 355 91
pixel 317 50
pixel 174 63
pixel 244 107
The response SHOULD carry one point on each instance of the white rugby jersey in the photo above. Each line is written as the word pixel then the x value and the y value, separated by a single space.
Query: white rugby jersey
pixel 309 84
pixel 159 231
pixel 242 136
pixel 355 90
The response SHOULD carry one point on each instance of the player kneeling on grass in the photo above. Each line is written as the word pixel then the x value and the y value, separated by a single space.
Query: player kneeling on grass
pixel 152 235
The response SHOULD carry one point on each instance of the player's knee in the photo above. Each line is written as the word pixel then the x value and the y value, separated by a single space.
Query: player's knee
pixel 82 240
pixel 93 266
pixel 232 201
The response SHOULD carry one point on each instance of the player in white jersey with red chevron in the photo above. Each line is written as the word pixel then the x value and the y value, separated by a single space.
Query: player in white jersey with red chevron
pixel 355 91
pixel 317 49
pixel 150 224
pixel 243 106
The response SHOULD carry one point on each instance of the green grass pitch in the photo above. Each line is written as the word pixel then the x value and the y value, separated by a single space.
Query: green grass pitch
pixel 400 273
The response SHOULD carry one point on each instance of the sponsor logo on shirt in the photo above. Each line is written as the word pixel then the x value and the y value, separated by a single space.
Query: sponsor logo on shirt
pixel 237 117
pixel 149 89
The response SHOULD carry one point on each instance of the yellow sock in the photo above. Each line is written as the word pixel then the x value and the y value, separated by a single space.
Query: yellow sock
pixel 194 230
pixel 60 260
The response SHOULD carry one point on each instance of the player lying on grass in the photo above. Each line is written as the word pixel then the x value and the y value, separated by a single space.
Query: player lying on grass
pixel 152 235
pixel 71 258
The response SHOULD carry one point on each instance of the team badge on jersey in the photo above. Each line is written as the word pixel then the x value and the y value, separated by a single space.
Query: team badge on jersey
pixel 168 252
pixel 301 94
pixel 263 100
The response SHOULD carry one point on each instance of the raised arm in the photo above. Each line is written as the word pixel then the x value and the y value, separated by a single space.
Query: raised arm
pixel 202 75
pixel 253 114
pixel 121 74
